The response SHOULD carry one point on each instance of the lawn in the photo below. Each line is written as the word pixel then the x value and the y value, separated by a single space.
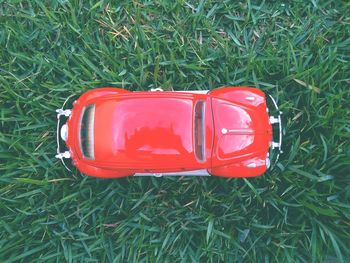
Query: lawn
pixel 298 51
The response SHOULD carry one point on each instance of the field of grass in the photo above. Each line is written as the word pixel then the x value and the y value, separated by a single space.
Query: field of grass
pixel 297 51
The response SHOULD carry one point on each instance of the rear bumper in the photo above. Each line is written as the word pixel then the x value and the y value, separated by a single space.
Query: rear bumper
pixel 62 133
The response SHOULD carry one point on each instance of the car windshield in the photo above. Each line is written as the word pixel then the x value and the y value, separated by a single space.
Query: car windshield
pixel 86 132
pixel 199 130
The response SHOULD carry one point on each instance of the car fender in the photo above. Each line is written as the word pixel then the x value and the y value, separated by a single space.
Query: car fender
pixel 98 92
pixel 246 96
pixel 252 167
pixel 91 170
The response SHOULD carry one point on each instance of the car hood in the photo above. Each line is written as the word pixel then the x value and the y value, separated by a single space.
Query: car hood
pixel 241 131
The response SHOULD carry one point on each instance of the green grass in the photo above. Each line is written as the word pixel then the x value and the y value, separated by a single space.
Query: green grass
pixel 298 51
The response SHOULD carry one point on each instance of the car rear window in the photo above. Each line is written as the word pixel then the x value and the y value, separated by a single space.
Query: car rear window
pixel 86 132
pixel 199 130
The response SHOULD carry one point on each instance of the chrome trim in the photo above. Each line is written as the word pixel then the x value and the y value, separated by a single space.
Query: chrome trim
pixel 251 165
pixel 64 132
pixel 250 98
pixel 274 120
pixel 201 172
pixel 268 162
pixel 193 91
pixel 224 130
pixel 61 112
pixel 66 113
pixel 237 131
pixel 183 91
pixel 65 154
pixel 156 89
pixel 278 120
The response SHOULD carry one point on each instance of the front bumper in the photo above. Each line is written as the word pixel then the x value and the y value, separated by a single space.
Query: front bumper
pixel 276 120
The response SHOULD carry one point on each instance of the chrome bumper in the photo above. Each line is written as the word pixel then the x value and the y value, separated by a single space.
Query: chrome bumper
pixel 62 133
pixel 277 120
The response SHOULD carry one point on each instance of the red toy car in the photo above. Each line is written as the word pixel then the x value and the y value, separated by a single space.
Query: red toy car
pixel 112 132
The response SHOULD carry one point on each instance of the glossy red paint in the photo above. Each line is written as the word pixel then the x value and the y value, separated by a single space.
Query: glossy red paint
pixel 153 132
pixel 249 132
